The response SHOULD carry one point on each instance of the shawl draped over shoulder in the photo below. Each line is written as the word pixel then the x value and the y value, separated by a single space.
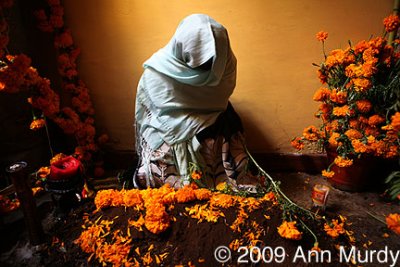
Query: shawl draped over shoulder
pixel 176 97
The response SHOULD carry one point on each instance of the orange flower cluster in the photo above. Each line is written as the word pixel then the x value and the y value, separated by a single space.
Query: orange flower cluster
pixel 334 229
pixel 391 23
pixel 8 205
pixel 288 230
pixel 54 21
pixel 393 222
pixel 357 107
pixel 4 39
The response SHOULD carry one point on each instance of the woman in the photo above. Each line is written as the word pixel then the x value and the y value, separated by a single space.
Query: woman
pixel 183 117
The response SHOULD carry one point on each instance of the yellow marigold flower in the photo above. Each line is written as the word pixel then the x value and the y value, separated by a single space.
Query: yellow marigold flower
pixel 353 134
pixel 393 222
pixel 375 120
pixel 196 175
pixel 391 23
pixel 221 186
pixel 343 162
pixel 288 230
pixel 37 124
pixel 363 105
pixel 321 94
pixel 328 174
pixel 321 36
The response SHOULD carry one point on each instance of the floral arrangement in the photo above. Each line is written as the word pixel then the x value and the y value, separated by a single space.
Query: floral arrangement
pixel 17 75
pixel 359 98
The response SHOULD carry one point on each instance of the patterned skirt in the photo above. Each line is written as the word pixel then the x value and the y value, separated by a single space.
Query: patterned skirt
pixel 223 155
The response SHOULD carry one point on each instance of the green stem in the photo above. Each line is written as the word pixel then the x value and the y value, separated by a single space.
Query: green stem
pixel 48 137
pixel 310 231
pixel 276 187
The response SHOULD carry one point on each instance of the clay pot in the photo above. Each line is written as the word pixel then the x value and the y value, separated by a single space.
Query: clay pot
pixel 366 173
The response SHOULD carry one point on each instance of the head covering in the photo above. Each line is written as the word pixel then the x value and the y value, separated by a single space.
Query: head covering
pixel 177 97
pixel 197 39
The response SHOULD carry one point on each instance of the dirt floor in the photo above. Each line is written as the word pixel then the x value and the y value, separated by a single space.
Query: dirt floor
pixel 189 243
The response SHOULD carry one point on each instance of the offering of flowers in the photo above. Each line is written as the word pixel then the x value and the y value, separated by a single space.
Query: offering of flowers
pixel 360 100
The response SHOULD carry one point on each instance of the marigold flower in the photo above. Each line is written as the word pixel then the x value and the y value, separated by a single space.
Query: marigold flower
pixel 328 174
pixel 321 94
pixel 343 162
pixel 196 175
pixel 221 186
pixel 43 172
pixel 361 84
pixel 57 157
pixel 37 124
pixel 342 111
pixel 353 134
pixel 203 194
pixel 321 36
pixel 333 139
pixel 297 143
pixel 311 133
pixel 391 23
pixel 339 97
pixel 132 198
pixel 288 230
pixel 359 146
pixel 375 120
pixel 363 105
pixel 334 229
pixel 185 195
pixel 393 222
pixel 395 121
pixel 156 219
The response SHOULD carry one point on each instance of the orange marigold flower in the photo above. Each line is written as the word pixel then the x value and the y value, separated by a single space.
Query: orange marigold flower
pixel 221 186
pixel 353 134
pixel 322 77
pixel 339 97
pixel 321 36
pixel 132 198
pixel 359 146
pixel 37 124
pixel 343 162
pixel 334 229
pixel 106 198
pixel 333 139
pixel 336 57
pixel 393 222
pixel 375 120
pixel 222 200
pixel 203 194
pixel 297 143
pixel 391 23
pixel 342 111
pixel 321 94
pixel 311 133
pixel 328 174
pixel 185 194
pixel 361 84
pixel 396 121
pixel 196 175
pixel 373 131
pixel 43 172
pixel 288 230
pixel 363 105
pixel 157 219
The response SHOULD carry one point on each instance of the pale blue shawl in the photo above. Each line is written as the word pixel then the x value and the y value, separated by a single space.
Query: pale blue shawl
pixel 175 98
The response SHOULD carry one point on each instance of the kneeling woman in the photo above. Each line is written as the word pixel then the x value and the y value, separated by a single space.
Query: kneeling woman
pixel 184 120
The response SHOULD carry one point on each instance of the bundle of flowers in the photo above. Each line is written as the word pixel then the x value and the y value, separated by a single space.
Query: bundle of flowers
pixel 359 98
